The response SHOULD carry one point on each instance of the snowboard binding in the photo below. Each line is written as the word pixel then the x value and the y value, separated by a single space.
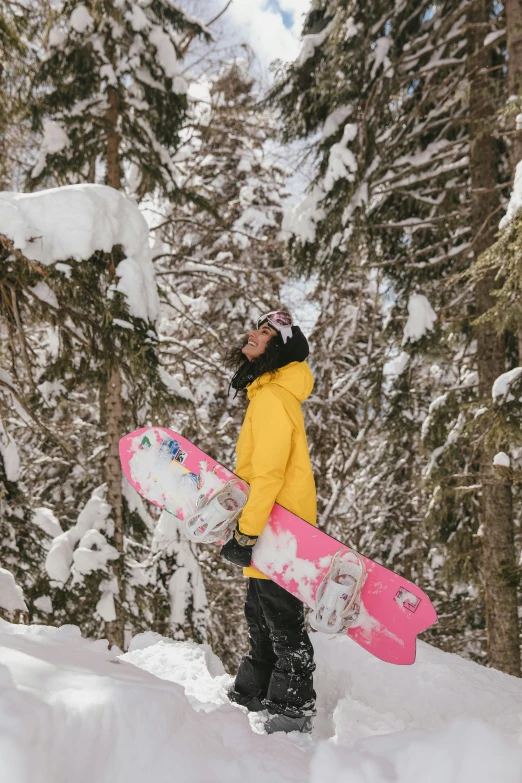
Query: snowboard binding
pixel 216 516
pixel 338 599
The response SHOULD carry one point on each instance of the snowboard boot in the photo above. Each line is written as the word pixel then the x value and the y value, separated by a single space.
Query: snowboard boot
pixel 252 703
pixel 284 723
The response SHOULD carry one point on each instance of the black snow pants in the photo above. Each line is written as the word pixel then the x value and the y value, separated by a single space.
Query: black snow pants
pixel 277 673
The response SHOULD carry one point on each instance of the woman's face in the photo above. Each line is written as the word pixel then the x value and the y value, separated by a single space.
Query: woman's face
pixel 257 341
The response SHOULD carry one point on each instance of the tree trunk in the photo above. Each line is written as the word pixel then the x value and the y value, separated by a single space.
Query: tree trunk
pixel 513 10
pixel 514 43
pixel 114 415
pixel 113 403
pixel 113 141
pixel 497 519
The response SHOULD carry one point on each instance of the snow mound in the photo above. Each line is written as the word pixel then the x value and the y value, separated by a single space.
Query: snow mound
pixel 75 221
pixel 421 318
pixel 11 595
pixel 71 709
pixel 502 459
pixel 501 386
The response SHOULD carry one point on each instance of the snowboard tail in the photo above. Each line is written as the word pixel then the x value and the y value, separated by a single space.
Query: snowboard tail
pixel 167 469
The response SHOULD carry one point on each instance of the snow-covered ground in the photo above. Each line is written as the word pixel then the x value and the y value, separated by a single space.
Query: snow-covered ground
pixel 71 710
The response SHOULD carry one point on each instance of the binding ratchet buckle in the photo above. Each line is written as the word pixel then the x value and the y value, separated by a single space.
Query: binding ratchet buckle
pixel 216 517
pixel 338 599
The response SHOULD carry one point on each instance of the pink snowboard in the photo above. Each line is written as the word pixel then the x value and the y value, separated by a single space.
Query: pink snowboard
pixel 171 472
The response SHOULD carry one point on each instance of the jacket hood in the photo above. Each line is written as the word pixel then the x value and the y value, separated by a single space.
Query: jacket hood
pixel 296 377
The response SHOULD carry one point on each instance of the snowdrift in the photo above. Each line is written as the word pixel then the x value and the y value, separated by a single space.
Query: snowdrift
pixel 72 710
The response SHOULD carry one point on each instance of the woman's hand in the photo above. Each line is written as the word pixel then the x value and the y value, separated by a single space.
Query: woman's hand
pixel 239 549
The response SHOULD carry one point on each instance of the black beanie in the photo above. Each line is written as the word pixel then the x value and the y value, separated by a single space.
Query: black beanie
pixel 295 349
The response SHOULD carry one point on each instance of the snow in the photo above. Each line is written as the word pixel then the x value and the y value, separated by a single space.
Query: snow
pixel 470 378
pixel 311 42
pixel 142 301
pixel 44 604
pixel 421 318
pixel 167 59
pixel 75 221
pixel 396 367
pixel 11 595
pixel 341 162
pixel 57 37
pixel 54 140
pixel 503 383
pixel 493 36
pixel 351 28
pixel 196 668
pixel 10 456
pixel 442 719
pixel 335 120
pixel 380 54
pixel 93 552
pixel 42 291
pixel 438 402
pixel 122 323
pixel 137 18
pixel 105 606
pixel 50 390
pixel 302 219
pixel 501 459
pixel 515 201
pixel 46 521
pixel 80 19
pixel 185 585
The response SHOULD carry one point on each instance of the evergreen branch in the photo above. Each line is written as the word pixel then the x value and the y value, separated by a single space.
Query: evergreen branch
pixel 446 153
pixel 25 355
pixel 428 222
pixel 41 426
pixel 185 347
pixel 195 323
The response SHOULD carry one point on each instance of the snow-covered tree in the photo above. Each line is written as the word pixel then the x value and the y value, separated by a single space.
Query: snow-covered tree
pixel 22 577
pixel 111 102
pixel 409 173
pixel 82 271
pixel 110 96
pixel 18 21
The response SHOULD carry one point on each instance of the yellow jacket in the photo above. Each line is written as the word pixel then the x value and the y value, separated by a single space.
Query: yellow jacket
pixel 272 451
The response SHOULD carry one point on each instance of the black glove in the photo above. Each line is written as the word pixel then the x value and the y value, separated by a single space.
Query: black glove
pixel 237 552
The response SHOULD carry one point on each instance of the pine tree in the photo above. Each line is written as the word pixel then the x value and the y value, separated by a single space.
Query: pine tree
pixel 409 172
pixel 18 21
pixel 110 96
pixel 22 548
pixel 111 102
pixel 71 319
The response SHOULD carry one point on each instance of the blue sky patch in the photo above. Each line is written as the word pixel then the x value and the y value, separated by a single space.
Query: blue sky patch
pixel 287 16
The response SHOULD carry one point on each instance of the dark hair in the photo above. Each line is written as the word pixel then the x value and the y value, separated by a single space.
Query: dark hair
pixel 246 371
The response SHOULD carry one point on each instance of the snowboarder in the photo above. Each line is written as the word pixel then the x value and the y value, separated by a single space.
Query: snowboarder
pixel 272 456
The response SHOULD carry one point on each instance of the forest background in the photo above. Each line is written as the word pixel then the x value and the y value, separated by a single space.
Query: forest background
pixel 369 183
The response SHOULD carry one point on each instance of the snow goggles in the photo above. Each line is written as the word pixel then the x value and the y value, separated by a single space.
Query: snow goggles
pixel 278 320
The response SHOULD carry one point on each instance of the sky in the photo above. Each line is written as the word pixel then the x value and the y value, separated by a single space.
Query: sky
pixel 270 27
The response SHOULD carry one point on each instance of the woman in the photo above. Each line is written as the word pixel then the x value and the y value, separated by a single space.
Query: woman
pixel 272 456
